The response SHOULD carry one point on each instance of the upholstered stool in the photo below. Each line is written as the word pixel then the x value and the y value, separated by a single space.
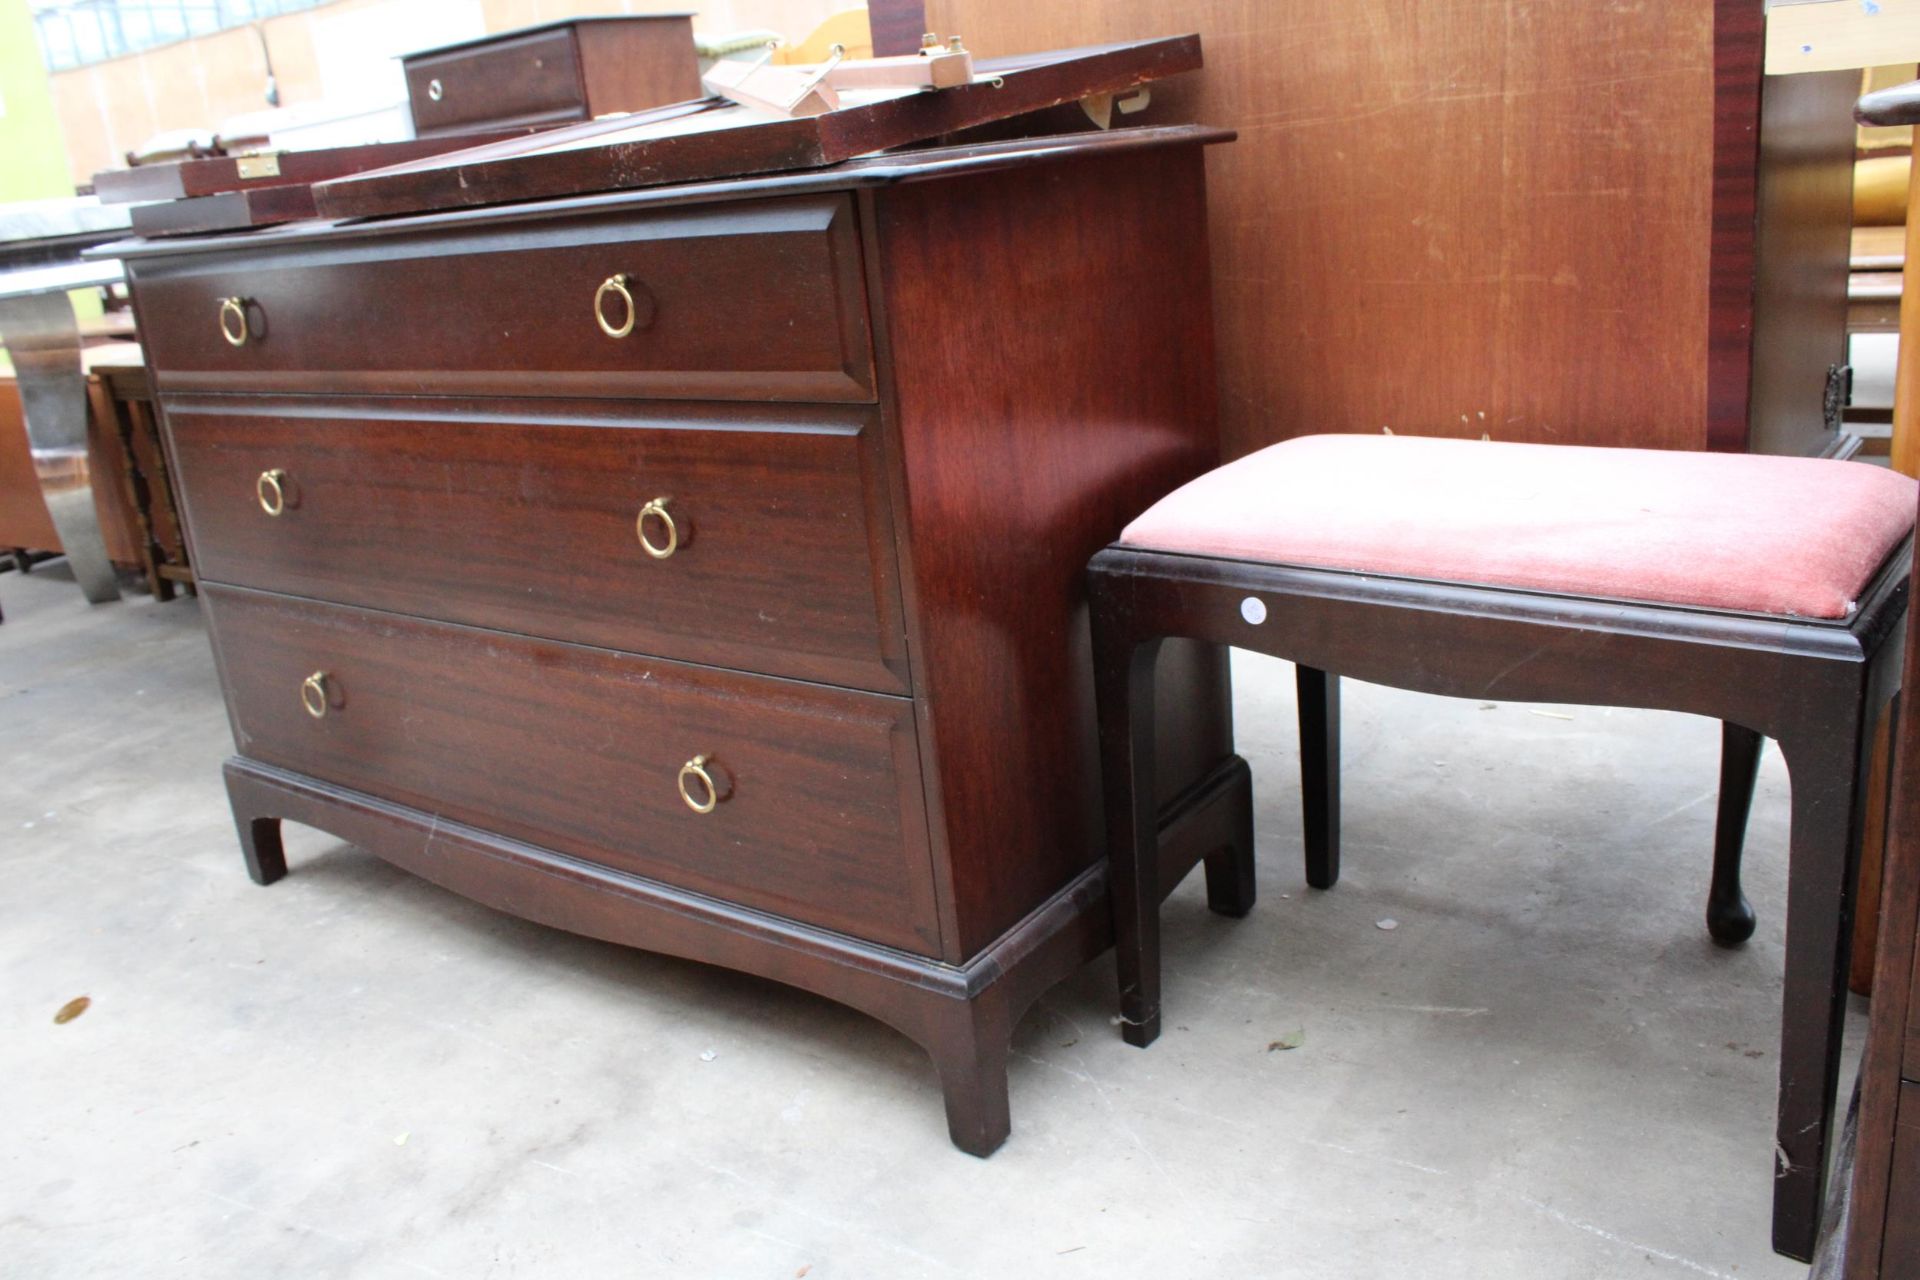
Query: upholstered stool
pixel 1767 593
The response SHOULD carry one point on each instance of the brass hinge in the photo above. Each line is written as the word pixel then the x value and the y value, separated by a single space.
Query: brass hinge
pixel 1833 405
pixel 259 164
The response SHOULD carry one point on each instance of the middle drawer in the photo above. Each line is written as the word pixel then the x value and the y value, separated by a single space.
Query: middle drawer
pixel 759 540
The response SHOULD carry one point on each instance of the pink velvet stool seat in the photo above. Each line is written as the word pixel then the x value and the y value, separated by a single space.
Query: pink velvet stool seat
pixel 1767 593
pixel 1798 536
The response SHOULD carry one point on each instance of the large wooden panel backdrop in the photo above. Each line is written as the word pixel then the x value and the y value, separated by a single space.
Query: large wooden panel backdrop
pixel 1456 216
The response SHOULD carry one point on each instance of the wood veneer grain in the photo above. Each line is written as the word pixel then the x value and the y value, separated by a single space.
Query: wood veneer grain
pixel 1454 216
pixel 1048 340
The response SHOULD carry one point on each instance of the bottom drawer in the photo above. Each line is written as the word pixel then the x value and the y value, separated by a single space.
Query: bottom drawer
pixel 816 812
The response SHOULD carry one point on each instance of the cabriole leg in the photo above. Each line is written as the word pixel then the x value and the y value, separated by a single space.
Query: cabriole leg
pixel 1730 917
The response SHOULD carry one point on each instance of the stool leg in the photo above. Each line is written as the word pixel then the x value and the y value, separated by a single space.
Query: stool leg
pixel 1829 778
pixel 1730 916
pixel 1123 685
pixel 1319 696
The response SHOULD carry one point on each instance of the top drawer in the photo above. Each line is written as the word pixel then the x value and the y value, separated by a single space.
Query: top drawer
pixel 530 80
pixel 753 301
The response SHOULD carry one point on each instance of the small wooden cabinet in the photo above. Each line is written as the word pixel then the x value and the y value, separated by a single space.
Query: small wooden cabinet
pixel 574 69
pixel 700 568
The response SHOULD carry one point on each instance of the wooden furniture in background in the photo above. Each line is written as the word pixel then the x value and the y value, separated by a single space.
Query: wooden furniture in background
pixel 1882 1231
pixel 25 525
pixel 1873 294
pixel 1904 456
pixel 1905 447
pixel 120 400
pixel 1792 357
pixel 773 653
pixel 1546 223
pixel 24 522
pixel 131 491
pixel 1882 1228
pixel 572 69
pixel 42 274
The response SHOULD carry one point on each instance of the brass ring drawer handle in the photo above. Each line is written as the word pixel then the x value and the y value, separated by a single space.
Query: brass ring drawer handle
pixel 616 284
pixel 238 331
pixel 658 509
pixel 695 770
pixel 313 694
pixel 271 489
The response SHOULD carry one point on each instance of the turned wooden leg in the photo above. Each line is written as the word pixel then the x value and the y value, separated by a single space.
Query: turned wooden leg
pixel 1123 682
pixel 1319 694
pixel 1730 916
pixel 1829 775
pixel 260 845
pixel 969 1045
pixel 1230 888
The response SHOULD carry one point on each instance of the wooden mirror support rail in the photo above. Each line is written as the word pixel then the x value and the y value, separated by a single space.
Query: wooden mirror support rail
pixel 259 188
pixel 714 138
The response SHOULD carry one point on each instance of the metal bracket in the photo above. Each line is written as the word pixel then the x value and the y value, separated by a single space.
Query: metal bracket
pixel 1839 394
pixel 258 164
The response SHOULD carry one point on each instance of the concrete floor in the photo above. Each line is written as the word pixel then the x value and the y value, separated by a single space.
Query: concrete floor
pixel 1546 1071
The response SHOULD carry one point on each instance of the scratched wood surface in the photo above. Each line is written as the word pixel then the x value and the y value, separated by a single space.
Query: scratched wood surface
pixel 1443 216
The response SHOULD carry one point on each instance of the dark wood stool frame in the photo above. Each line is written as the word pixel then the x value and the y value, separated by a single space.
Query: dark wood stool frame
pixel 1815 687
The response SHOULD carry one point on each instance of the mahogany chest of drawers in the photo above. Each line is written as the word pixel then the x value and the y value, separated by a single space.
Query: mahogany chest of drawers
pixel 700 568
pixel 573 69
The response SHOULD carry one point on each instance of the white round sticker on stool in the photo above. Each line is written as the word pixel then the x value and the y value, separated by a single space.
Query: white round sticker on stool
pixel 1253 610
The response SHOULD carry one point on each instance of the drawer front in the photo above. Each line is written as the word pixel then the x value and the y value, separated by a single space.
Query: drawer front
pixel 819 816
pixel 774 524
pixel 753 301
pixel 533 78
